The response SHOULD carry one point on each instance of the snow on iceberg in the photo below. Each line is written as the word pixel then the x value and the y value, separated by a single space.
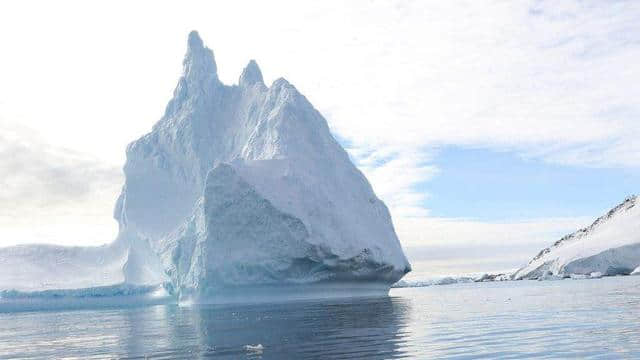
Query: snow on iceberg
pixel 610 246
pixel 237 190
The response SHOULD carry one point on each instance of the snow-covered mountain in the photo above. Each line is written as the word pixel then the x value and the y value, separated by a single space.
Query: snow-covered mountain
pixel 610 246
pixel 236 188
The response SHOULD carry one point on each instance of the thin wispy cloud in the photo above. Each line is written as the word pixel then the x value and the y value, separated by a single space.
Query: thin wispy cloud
pixel 395 174
pixel 520 75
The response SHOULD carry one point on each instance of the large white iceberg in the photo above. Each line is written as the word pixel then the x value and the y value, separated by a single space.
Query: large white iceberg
pixel 237 192
pixel 610 246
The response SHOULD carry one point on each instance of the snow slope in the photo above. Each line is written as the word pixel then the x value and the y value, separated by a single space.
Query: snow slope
pixel 235 188
pixel 610 246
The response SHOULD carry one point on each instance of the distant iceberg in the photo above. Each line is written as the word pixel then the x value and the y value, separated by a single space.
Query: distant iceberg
pixel 610 246
pixel 447 280
pixel 454 279
pixel 238 193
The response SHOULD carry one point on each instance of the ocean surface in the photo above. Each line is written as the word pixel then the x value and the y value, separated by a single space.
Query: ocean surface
pixel 549 319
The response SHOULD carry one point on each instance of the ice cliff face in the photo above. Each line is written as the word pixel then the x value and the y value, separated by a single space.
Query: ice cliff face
pixel 610 246
pixel 244 185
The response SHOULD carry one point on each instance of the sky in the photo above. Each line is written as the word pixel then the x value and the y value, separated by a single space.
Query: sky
pixel 490 128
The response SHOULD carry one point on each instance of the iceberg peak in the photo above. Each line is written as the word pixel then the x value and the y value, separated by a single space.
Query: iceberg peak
pixel 195 42
pixel 199 64
pixel 251 74
pixel 281 82
pixel 199 76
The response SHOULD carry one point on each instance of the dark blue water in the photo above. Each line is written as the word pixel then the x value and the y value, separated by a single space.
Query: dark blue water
pixel 555 319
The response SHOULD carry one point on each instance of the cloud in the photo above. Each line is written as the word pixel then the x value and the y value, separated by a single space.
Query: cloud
pixel 43 187
pixel 35 174
pixel 450 245
pixel 524 76
pixel 434 231
pixel 394 175
pixel 551 82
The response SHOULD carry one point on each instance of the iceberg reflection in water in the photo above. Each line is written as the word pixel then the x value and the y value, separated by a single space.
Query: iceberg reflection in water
pixel 595 318
pixel 369 327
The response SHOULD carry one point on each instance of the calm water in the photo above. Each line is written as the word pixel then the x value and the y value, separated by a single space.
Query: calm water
pixel 556 319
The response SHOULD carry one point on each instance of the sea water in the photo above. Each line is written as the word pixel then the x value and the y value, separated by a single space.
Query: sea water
pixel 548 319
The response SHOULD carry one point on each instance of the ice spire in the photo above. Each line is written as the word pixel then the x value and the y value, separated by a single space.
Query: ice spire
pixel 199 63
pixel 251 74
pixel 199 74
pixel 195 42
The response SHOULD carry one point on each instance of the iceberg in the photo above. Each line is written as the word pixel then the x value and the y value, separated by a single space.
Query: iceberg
pixel 610 246
pixel 493 277
pixel 447 280
pixel 238 193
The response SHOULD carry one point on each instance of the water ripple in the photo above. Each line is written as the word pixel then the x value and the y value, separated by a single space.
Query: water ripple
pixel 512 320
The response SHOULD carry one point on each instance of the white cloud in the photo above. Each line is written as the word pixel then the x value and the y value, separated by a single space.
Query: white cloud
pixel 394 175
pixel 445 246
pixel 418 231
pixel 51 194
pixel 495 74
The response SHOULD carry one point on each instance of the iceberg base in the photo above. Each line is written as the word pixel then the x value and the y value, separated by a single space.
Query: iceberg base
pixel 90 298
pixel 284 293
